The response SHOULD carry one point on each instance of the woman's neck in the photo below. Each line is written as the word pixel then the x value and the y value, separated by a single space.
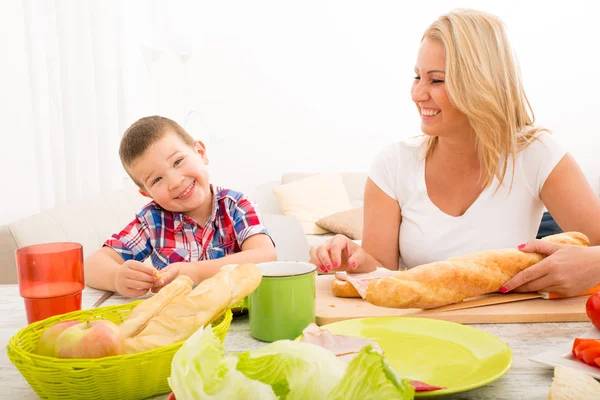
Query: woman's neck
pixel 457 153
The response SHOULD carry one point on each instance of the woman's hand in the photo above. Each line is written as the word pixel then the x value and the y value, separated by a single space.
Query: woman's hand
pixel 340 254
pixel 567 271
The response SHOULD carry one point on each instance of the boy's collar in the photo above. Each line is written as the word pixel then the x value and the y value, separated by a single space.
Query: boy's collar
pixel 179 218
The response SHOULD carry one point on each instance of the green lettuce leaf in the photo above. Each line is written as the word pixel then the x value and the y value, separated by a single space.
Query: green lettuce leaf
pixel 284 369
pixel 369 376
pixel 200 370
pixel 295 370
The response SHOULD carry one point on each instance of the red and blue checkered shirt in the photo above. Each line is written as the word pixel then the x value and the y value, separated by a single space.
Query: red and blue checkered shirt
pixel 170 237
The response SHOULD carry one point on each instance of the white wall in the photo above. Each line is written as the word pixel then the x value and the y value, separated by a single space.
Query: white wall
pixel 18 191
pixel 325 86
pixel 318 85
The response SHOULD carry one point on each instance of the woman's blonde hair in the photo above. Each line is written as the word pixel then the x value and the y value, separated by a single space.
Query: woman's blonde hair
pixel 483 81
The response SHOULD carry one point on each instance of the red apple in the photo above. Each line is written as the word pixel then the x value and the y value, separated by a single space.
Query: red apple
pixel 92 339
pixel 46 345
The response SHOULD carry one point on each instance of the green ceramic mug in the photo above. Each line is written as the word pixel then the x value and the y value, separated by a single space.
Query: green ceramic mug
pixel 284 302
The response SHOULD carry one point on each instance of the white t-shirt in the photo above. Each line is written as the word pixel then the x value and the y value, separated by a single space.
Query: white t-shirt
pixel 495 220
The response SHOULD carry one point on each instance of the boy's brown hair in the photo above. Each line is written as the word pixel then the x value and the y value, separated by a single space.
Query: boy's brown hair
pixel 143 133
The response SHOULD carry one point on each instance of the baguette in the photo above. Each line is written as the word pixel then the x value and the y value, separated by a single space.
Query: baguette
pixel 451 281
pixel 182 315
pixel 343 289
pixel 348 284
pixel 138 317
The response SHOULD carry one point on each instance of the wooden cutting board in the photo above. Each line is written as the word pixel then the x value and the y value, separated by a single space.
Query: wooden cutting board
pixel 331 309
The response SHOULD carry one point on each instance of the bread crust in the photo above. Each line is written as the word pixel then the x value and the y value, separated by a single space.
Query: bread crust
pixel 138 317
pixel 451 281
pixel 343 289
pixel 183 314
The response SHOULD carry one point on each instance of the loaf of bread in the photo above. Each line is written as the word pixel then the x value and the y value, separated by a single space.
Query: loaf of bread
pixel 180 312
pixel 355 285
pixel 451 281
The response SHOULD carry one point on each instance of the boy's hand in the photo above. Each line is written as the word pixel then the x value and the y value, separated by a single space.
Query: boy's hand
pixel 168 275
pixel 134 278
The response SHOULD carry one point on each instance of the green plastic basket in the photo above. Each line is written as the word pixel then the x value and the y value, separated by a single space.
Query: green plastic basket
pixel 240 307
pixel 125 377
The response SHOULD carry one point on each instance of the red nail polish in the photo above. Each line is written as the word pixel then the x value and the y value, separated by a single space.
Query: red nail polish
pixel 521 246
pixel 336 263
pixel 354 264
pixel 328 266
pixel 503 289
pixel 322 268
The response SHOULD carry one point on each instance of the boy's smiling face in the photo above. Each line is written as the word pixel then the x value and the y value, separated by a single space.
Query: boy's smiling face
pixel 175 176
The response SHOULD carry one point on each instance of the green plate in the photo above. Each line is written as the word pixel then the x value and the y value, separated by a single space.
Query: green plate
pixel 432 351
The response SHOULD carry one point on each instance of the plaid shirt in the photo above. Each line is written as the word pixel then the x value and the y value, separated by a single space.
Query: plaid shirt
pixel 170 237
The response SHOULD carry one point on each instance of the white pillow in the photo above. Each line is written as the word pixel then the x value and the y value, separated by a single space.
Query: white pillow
pixel 313 198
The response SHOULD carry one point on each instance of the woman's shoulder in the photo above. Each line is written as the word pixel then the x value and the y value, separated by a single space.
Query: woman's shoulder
pixel 538 158
pixel 414 144
pixel 540 143
pixel 407 150
pixel 398 165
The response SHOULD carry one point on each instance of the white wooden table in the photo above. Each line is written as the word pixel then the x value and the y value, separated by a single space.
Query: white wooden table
pixel 525 380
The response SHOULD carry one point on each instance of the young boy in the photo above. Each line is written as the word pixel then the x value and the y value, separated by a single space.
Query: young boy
pixel 189 228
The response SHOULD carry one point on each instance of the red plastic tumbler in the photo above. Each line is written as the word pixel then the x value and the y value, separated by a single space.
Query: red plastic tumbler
pixel 50 278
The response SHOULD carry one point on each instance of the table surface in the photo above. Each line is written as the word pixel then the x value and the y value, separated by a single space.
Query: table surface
pixel 525 380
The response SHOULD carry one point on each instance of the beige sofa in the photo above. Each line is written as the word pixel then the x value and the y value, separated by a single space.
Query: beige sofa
pixel 91 221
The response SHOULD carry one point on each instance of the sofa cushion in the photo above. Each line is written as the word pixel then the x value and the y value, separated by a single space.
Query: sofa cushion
pixel 290 241
pixel 354 182
pixel 313 198
pixel 317 240
pixel 8 246
pixel 90 221
pixel 349 223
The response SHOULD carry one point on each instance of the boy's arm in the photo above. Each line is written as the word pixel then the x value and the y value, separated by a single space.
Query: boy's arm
pixel 256 249
pixel 115 267
pixel 101 268
pixel 106 269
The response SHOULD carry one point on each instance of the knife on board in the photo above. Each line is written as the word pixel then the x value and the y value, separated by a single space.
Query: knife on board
pixel 107 295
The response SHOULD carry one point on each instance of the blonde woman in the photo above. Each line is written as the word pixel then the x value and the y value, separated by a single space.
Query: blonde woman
pixel 480 176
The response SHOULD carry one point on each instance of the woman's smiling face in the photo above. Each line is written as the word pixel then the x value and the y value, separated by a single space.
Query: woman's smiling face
pixel 439 117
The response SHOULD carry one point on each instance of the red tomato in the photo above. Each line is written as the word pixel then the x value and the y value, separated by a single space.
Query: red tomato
pixel 589 355
pixel 588 344
pixel 592 308
pixel 577 342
